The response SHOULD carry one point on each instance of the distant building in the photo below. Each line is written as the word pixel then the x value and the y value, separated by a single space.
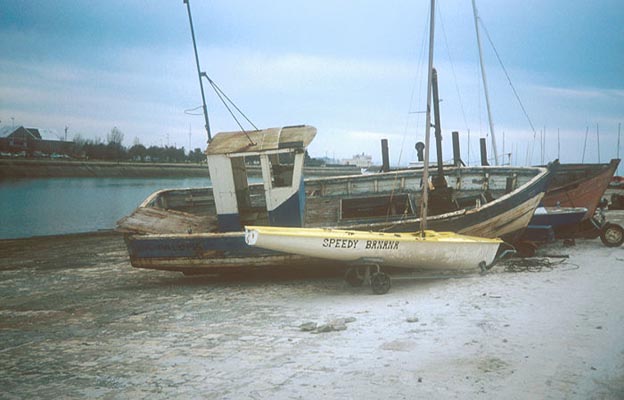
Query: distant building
pixel 359 160
pixel 32 142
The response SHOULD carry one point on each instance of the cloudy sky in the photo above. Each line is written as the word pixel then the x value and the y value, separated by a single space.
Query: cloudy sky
pixel 353 69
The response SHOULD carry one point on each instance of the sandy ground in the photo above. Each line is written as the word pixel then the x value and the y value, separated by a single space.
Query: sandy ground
pixel 77 321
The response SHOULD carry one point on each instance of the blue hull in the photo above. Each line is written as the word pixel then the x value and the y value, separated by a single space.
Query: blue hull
pixel 559 217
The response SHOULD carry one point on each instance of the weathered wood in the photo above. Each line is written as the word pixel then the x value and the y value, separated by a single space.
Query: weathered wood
pixel 155 220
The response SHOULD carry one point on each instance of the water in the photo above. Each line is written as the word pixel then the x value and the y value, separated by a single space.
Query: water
pixel 51 206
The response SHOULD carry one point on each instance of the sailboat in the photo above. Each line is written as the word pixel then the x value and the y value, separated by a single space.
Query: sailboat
pixel 202 230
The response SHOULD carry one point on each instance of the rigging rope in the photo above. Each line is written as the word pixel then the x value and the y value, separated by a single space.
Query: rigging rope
pixel 190 111
pixel 221 95
pixel 448 51
pixel 487 34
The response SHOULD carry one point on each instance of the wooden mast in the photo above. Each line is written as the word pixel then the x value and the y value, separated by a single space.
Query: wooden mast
pixel 485 89
pixel 618 147
pixel 425 195
pixel 199 72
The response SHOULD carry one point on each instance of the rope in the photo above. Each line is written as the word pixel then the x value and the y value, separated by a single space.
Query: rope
pixel 448 51
pixel 190 111
pixel 487 34
pixel 221 96
pixel 219 93
pixel 536 264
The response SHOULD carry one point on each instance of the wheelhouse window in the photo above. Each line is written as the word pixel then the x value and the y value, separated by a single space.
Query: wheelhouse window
pixel 282 169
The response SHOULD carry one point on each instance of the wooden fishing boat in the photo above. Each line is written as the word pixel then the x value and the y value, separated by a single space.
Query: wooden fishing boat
pixel 201 230
pixel 429 251
pixel 580 185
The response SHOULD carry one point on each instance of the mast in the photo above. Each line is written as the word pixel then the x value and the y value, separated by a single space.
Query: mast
pixel 438 180
pixel 585 144
pixel 425 196
pixel 485 89
pixel 199 73
pixel 618 145
pixel 598 141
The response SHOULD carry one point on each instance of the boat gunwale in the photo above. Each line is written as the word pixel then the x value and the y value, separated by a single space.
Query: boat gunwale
pixel 412 237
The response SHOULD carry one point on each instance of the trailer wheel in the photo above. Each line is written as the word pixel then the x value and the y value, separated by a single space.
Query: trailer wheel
pixel 354 277
pixel 380 283
pixel 612 235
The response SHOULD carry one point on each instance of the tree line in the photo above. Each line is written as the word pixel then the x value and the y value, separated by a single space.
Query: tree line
pixel 113 150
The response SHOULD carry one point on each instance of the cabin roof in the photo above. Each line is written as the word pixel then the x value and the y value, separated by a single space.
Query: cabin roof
pixel 262 140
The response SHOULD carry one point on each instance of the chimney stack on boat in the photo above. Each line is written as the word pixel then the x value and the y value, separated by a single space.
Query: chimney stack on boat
pixel 457 161
pixel 484 161
pixel 385 159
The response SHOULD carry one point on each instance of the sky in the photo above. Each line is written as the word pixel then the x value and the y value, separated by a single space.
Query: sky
pixel 356 70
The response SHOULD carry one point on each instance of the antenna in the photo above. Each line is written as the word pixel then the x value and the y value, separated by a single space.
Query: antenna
pixel 598 141
pixel 585 144
pixel 468 147
pixel 544 146
pixel 503 161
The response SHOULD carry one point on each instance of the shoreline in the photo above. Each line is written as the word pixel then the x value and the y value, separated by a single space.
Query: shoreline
pixel 38 168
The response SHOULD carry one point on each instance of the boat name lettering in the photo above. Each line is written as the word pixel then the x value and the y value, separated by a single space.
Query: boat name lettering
pixel 340 243
pixel 382 245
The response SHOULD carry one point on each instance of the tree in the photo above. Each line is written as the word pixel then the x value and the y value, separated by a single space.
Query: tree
pixel 115 136
pixel 197 156
pixel 114 150
pixel 312 162
pixel 137 152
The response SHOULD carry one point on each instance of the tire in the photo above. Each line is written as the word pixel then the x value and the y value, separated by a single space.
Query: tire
pixel 380 283
pixel 353 277
pixel 612 235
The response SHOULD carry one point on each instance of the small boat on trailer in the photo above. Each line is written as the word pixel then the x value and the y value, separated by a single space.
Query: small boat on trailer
pixel 428 250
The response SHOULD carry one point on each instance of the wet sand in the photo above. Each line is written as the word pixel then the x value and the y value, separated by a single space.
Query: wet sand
pixel 77 321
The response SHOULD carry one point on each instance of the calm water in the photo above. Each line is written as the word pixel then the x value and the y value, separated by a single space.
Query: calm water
pixel 35 207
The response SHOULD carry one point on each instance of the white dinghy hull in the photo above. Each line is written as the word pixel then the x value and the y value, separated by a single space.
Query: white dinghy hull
pixel 434 251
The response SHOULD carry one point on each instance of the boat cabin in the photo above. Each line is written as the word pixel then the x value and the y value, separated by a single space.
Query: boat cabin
pixel 281 153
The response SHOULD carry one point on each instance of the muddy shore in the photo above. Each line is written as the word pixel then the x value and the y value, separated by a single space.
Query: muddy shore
pixel 77 321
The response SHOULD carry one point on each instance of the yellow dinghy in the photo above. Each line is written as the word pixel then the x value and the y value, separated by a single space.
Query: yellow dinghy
pixel 440 251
